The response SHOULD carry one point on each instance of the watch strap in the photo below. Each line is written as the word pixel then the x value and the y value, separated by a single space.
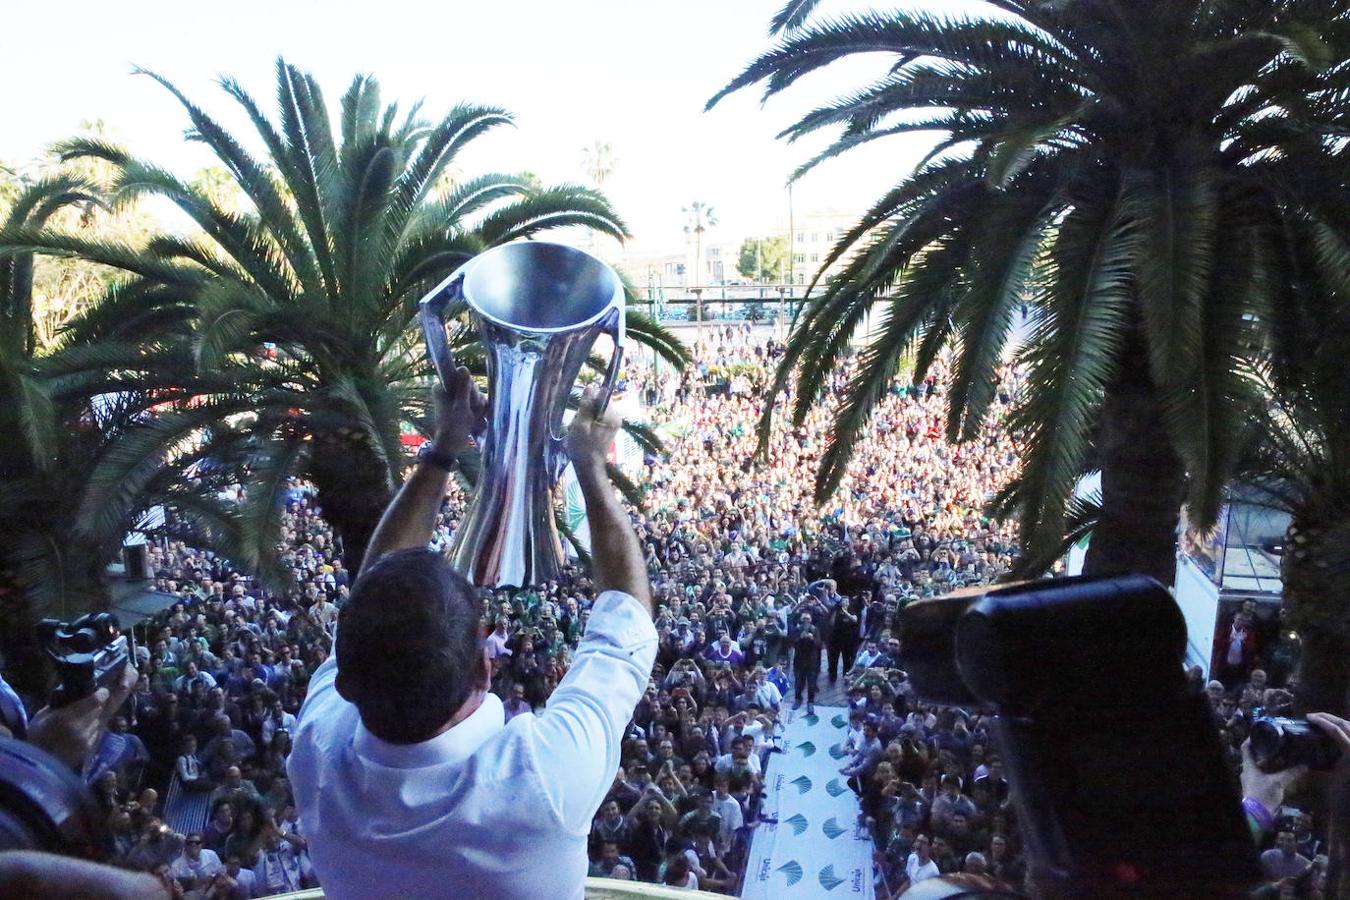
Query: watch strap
pixel 441 459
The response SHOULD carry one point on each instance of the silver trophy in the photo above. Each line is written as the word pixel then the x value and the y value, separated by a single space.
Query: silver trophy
pixel 538 308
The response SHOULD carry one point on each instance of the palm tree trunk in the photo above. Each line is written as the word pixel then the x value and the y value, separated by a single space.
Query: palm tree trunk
pixel 1316 575
pixel 352 493
pixel 1143 481
pixel 698 277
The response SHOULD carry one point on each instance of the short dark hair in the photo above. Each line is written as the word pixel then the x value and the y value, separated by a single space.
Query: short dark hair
pixel 408 644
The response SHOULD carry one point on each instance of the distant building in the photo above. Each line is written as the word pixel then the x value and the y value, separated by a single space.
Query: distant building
pixel 811 239
pixel 666 269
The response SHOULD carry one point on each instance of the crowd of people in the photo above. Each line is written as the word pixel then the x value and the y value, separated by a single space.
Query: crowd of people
pixel 222 676
pixel 761 596
pixel 763 599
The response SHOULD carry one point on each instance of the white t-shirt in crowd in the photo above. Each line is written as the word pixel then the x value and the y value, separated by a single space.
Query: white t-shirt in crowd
pixel 916 871
pixel 768 695
pixel 487 809
pixel 726 764
pixel 204 866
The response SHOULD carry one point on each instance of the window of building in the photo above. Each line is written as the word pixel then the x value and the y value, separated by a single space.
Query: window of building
pixel 800 257
pixel 801 237
pixel 815 257
pixel 815 237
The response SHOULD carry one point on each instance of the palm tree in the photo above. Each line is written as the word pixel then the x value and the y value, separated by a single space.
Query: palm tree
pixel 300 307
pixel 1136 174
pixel 698 218
pixel 64 409
pixel 600 162
pixel 1298 460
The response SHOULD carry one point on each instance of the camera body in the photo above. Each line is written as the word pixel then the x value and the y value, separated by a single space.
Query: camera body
pixel 89 653
pixel 1280 743
pixel 1115 767
pixel 46 806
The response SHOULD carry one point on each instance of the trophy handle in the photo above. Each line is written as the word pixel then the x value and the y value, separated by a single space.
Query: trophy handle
pixel 614 327
pixel 431 312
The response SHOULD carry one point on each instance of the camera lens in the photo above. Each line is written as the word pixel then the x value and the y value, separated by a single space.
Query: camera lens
pixel 1282 743
pixel 1267 742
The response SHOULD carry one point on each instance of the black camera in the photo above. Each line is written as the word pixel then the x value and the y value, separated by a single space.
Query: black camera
pixel 1115 768
pixel 1280 743
pixel 89 653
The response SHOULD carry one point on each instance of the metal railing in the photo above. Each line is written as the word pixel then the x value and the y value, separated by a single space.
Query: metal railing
pixel 596 889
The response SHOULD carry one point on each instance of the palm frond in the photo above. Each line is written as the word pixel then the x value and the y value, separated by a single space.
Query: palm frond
pixel 260 518
pixel 657 337
pixel 792 16
pixel 905 34
pixel 560 206
pixel 932 275
pixel 997 284
pixel 1081 517
pixel 1085 300
pixel 255 181
pixel 631 493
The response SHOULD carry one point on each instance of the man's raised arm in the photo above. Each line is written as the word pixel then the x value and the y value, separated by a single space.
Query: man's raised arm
pixel 615 551
pixel 582 727
pixel 410 518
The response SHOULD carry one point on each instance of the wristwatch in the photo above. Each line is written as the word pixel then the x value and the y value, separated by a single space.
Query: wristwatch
pixel 441 459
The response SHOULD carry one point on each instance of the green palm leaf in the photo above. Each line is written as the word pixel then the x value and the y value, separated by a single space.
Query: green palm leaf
pixel 792 16
pixel 1085 302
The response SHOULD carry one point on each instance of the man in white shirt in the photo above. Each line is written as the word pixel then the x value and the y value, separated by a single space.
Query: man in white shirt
pixel 195 867
pixel 496 642
pixel 728 808
pixel 920 865
pixel 740 759
pixel 323 613
pixel 280 865
pixel 408 780
pixel 277 720
pixel 766 695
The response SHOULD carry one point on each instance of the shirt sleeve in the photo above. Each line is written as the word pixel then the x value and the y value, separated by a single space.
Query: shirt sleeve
pixel 580 731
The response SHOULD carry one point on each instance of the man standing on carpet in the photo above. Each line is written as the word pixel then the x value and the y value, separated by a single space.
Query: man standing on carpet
pixel 409 781
pixel 806 644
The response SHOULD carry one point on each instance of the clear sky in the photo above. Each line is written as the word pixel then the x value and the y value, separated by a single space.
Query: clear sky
pixel 633 73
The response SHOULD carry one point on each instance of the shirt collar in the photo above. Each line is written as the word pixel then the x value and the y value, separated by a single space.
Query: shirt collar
pixel 452 745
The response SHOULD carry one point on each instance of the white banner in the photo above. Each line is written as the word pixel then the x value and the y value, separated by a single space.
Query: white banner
pixel 817 848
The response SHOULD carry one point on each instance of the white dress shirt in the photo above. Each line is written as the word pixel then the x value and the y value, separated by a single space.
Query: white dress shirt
pixel 487 809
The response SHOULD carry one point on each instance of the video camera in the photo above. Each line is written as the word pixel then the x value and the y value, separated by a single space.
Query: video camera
pixel 1280 743
pixel 1115 767
pixel 89 653
pixel 44 805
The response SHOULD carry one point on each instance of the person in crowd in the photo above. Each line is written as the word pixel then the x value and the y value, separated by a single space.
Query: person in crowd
pixel 196 868
pixel 806 646
pixel 610 858
pixel 1283 860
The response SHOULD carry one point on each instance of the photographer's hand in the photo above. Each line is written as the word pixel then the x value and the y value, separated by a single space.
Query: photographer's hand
pixel 1266 788
pixel 71 732
pixel 1337 728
